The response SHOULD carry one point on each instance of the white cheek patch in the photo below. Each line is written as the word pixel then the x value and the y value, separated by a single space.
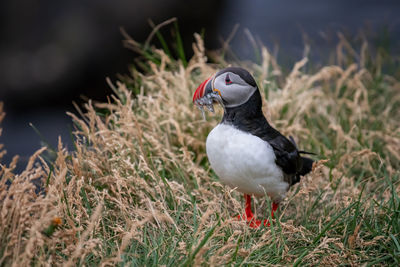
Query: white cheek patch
pixel 234 94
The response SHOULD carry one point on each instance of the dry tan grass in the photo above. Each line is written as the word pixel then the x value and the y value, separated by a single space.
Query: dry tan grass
pixel 140 171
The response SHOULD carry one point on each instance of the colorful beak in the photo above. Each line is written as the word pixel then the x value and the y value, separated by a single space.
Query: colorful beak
pixel 204 89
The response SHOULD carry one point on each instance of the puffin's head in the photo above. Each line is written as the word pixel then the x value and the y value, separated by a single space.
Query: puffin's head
pixel 233 85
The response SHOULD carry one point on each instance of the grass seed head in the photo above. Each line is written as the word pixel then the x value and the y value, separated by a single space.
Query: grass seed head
pixel 138 187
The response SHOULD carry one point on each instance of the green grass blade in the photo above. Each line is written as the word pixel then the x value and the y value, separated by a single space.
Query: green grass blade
pixel 324 230
pixel 189 261
pixel 179 45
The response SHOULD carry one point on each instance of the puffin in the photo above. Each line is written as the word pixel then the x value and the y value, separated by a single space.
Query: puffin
pixel 244 150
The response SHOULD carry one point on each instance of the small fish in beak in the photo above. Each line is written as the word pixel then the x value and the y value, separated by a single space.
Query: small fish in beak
pixel 205 96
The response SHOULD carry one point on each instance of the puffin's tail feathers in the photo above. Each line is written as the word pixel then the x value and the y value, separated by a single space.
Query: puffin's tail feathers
pixel 300 151
pixel 307 166
pixel 307 162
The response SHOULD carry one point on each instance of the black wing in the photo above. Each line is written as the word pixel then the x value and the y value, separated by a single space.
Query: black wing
pixel 287 155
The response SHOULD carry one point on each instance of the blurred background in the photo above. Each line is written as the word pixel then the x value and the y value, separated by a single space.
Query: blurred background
pixel 54 52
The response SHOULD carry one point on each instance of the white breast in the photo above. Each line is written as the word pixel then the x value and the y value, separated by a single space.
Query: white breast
pixel 245 161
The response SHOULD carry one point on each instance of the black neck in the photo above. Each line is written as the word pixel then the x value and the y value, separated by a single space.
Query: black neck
pixel 246 114
pixel 249 118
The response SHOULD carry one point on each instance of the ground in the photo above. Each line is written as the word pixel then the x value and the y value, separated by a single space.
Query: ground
pixel 137 188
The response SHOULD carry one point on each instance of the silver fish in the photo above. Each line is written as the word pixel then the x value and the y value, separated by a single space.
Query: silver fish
pixel 208 101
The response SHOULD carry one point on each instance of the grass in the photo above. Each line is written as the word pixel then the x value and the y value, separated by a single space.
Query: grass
pixel 138 189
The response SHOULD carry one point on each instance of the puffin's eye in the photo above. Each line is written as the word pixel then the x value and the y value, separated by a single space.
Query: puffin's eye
pixel 228 80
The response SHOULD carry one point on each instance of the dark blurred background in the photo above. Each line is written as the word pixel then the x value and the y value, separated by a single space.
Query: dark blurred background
pixel 53 52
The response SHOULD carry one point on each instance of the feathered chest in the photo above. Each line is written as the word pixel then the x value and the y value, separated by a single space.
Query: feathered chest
pixel 244 161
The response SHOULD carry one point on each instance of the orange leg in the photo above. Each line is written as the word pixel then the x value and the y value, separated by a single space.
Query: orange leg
pixel 249 216
pixel 274 208
pixel 248 211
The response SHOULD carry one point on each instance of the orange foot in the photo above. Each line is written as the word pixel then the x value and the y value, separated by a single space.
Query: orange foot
pixel 249 216
pixel 252 221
